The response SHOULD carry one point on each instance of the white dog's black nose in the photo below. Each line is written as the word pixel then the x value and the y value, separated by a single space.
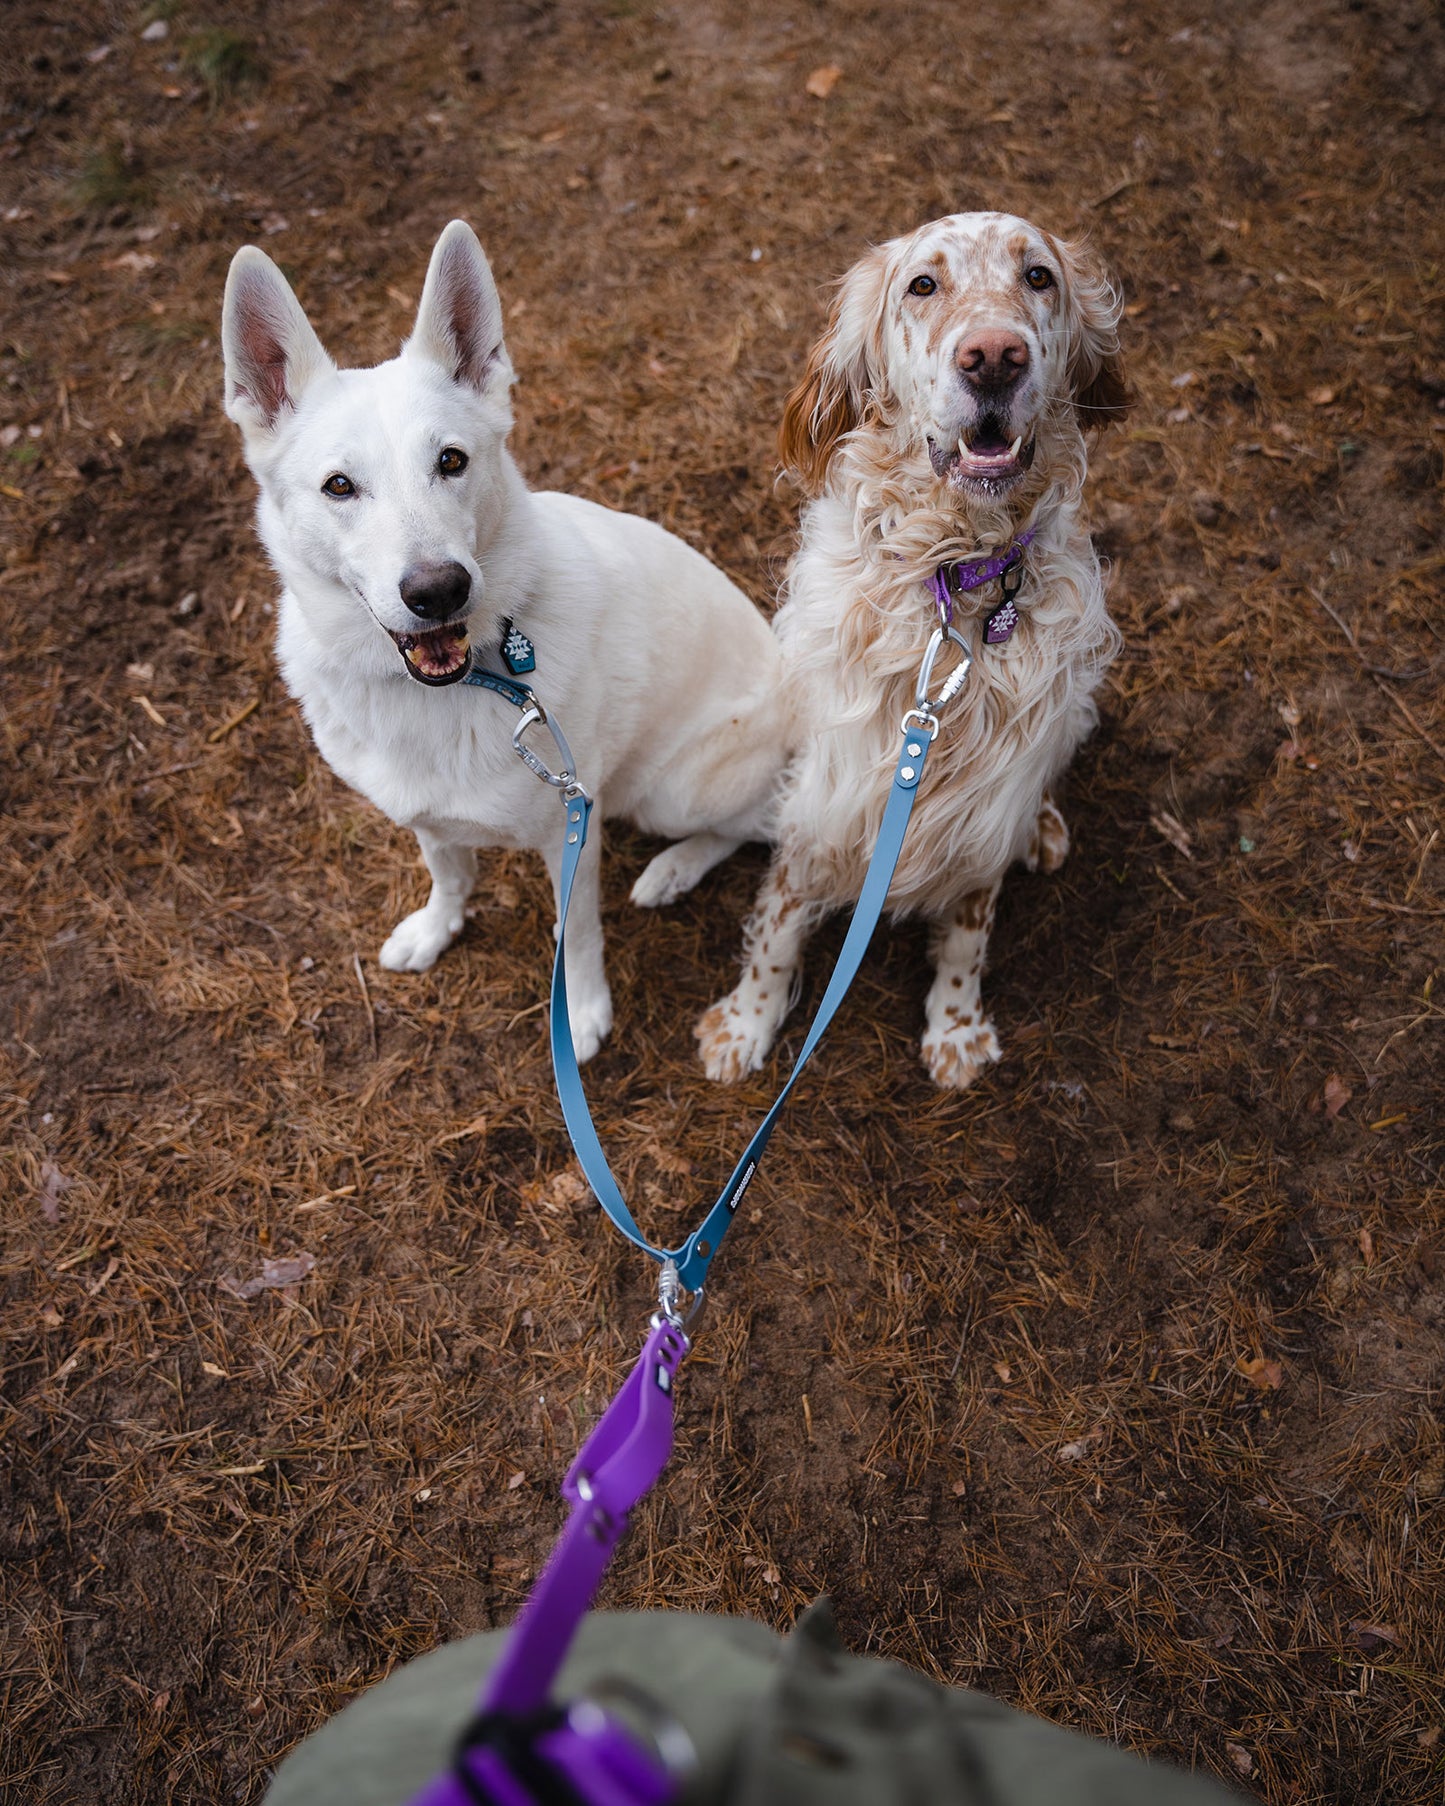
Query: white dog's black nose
pixel 436 592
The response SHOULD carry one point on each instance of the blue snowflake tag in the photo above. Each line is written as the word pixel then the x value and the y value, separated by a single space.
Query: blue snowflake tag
pixel 519 655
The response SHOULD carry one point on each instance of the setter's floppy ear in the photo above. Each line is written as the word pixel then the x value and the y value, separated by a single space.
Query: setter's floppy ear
pixel 1098 385
pixel 840 384
pixel 820 410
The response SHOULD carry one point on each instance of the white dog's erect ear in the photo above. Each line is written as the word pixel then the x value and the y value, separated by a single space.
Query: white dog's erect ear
pixel 459 321
pixel 270 349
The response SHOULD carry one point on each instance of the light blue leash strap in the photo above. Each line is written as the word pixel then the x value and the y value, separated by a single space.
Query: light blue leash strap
pixel 692 1258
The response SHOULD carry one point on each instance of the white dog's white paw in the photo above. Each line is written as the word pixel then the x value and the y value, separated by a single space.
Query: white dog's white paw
pixel 733 1040
pixel 676 869
pixel 663 880
pixel 956 1056
pixel 591 1024
pixel 414 944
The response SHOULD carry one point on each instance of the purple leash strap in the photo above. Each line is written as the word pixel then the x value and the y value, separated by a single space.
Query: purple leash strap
pixel 518 1750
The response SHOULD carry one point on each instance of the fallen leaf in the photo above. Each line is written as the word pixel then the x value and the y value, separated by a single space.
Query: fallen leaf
pixel 477 1126
pixel 515 1481
pixel 1337 1095
pixel 216 1373
pixel 1367 1245
pixel 1004 1371
pixel 1260 1372
pixel 1174 1043
pixel 1430 1481
pixel 1075 1451
pixel 960 1488
pixel 821 83
pixel 771 1576
pixel 558 1192
pixel 1322 397
pixel 1240 1757
pixel 285 1270
pixel 53 1187
pixel 50 1316
pixel 1372 1637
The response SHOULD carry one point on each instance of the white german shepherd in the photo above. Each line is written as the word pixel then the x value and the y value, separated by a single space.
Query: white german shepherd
pixel 407 544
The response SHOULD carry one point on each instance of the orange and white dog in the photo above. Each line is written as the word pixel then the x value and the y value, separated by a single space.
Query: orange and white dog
pixel 939 430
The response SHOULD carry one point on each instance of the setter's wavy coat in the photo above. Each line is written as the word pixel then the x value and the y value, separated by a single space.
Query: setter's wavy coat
pixel 943 413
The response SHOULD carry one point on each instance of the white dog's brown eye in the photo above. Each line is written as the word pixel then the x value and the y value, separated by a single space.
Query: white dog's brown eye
pixel 339 485
pixel 922 285
pixel 1039 276
pixel 452 462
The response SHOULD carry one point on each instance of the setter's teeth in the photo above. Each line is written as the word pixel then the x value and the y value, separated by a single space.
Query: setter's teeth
pixel 1013 450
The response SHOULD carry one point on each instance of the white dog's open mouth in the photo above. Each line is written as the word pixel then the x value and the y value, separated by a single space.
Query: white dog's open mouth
pixel 440 656
pixel 985 459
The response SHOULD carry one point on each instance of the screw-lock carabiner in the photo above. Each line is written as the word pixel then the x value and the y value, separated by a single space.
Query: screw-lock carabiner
pixel 953 683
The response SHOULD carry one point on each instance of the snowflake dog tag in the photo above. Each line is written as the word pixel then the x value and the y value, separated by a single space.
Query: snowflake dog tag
pixel 999 626
pixel 519 655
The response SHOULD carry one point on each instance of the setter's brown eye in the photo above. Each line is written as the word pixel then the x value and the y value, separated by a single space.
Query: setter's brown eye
pixel 452 462
pixel 922 285
pixel 1040 276
pixel 339 485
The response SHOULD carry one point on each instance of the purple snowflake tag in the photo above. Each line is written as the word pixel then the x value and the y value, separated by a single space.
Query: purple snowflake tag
pixel 1000 625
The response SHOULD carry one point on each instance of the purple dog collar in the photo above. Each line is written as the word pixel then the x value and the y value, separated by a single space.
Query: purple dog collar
pixel 951 582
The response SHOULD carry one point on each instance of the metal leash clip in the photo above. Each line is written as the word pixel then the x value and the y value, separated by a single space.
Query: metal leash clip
pixel 670 1294
pixel 925 711
pixel 534 715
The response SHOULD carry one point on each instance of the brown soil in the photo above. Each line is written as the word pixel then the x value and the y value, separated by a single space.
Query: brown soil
pixel 1113 1386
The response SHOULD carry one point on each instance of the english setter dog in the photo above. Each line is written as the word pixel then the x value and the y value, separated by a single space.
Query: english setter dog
pixel 940 433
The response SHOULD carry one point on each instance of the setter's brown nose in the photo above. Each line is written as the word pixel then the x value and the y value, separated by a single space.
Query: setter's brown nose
pixel 992 360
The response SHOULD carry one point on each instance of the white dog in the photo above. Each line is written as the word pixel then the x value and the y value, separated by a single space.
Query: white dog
pixel 941 420
pixel 405 538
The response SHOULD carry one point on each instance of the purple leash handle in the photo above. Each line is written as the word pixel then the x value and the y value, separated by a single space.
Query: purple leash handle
pixel 614 1470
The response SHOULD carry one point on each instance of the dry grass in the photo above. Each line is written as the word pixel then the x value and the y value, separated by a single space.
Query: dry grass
pixel 1112 1387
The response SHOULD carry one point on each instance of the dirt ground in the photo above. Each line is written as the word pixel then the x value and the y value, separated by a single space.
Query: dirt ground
pixel 1112 1386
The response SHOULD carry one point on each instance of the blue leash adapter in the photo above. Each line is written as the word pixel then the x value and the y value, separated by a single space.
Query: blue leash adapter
pixel 691 1259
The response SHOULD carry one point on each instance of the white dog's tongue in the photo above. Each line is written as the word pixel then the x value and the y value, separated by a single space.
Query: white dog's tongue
pixel 438 657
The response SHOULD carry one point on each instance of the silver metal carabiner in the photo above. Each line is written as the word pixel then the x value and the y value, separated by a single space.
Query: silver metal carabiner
pixel 534 715
pixel 955 680
pixel 669 1298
